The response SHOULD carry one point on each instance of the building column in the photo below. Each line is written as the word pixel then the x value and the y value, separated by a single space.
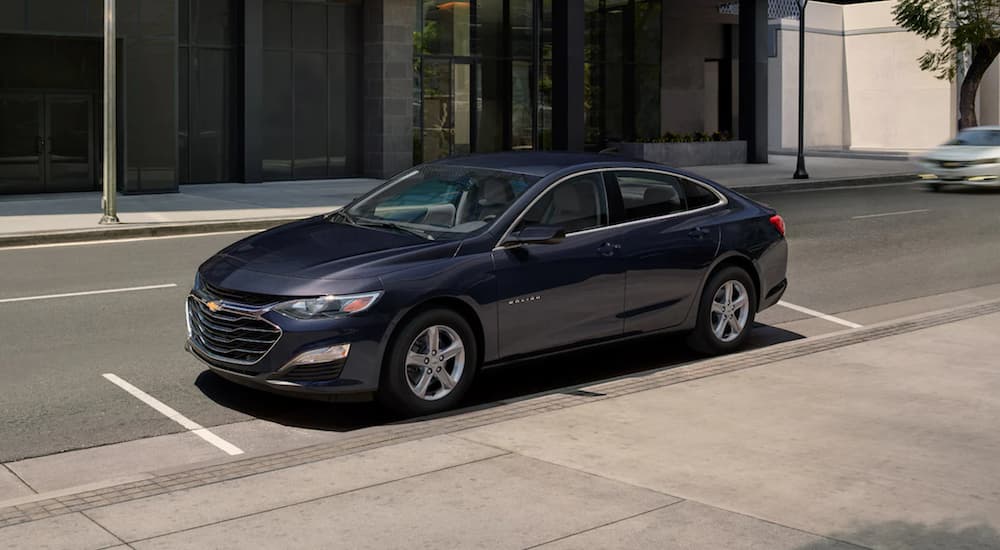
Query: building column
pixel 567 75
pixel 253 62
pixel 387 82
pixel 753 79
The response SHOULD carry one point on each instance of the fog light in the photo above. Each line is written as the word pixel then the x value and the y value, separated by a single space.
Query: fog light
pixel 982 178
pixel 927 177
pixel 321 355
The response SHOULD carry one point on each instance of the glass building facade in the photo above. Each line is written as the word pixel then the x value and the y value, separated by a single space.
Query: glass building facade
pixel 268 90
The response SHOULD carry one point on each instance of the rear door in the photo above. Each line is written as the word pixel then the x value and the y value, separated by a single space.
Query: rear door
pixel 557 295
pixel 670 237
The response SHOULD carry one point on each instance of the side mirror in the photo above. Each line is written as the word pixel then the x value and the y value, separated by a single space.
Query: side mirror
pixel 537 234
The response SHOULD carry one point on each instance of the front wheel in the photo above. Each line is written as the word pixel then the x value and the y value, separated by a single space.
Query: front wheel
pixel 725 313
pixel 934 187
pixel 430 364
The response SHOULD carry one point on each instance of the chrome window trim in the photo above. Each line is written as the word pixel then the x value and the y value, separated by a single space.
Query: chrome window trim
pixel 723 201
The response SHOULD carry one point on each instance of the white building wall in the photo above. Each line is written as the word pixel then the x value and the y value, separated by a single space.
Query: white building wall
pixel 864 87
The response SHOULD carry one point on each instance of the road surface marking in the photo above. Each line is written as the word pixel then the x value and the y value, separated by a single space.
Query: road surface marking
pixel 86 293
pixel 820 315
pixel 188 424
pixel 901 213
pixel 128 240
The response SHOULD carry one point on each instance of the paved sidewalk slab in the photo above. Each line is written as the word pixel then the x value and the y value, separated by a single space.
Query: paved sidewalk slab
pixel 231 206
pixel 861 443
pixel 693 526
pixel 218 502
pixel 12 487
pixel 72 532
pixel 504 502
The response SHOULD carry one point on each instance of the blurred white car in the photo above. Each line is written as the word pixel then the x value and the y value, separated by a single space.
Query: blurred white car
pixel 972 158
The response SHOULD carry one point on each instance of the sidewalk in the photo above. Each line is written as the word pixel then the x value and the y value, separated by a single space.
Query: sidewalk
pixel 880 437
pixel 31 219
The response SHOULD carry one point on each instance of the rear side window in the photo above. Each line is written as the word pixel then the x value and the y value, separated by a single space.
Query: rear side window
pixel 649 194
pixel 698 196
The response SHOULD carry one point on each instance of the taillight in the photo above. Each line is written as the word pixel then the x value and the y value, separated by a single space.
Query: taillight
pixel 779 223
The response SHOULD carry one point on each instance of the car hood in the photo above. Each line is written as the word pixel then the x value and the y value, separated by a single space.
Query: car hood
pixel 963 152
pixel 318 249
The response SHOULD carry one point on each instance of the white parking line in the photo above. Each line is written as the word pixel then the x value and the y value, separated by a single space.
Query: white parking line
pixel 820 315
pixel 128 240
pixel 188 424
pixel 86 293
pixel 901 213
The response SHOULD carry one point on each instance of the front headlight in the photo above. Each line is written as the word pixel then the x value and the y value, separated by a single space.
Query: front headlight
pixel 327 307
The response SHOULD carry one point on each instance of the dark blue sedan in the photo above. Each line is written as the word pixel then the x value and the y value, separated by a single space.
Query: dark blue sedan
pixel 479 261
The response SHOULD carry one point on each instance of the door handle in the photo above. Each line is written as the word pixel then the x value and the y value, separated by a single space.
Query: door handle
pixel 699 233
pixel 40 145
pixel 608 249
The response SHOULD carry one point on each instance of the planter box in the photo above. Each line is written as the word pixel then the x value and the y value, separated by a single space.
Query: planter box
pixel 687 154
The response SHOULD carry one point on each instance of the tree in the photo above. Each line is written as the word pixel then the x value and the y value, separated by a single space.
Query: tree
pixel 960 26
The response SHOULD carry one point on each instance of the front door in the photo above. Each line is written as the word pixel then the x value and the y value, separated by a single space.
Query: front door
pixel 46 143
pixel 69 143
pixel 572 292
pixel 22 165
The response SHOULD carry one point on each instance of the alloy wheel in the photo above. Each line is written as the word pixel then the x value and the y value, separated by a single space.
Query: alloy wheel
pixel 730 311
pixel 435 362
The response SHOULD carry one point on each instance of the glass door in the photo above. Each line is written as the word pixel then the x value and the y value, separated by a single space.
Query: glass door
pixel 69 143
pixel 21 131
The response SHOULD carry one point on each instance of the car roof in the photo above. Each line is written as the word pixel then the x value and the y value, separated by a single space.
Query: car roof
pixel 539 163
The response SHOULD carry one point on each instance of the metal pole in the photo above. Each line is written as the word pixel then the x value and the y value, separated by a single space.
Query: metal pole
pixel 110 123
pixel 800 165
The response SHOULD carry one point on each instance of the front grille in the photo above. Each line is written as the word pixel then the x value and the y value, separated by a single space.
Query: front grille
pixel 240 297
pixel 228 336
pixel 314 373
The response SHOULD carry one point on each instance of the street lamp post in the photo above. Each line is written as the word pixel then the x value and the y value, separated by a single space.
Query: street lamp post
pixel 800 165
pixel 110 137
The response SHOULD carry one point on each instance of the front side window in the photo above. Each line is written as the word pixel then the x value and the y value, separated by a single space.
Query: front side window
pixel 649 195
pixel 984 138
pixel 576 204
pixel 440 201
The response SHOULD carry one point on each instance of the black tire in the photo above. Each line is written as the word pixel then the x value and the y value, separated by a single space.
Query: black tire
pixel 394 389
pixel 934 187
pixel 703 338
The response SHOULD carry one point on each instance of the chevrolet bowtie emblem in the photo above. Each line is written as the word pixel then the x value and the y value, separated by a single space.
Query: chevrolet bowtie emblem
pixel 214 305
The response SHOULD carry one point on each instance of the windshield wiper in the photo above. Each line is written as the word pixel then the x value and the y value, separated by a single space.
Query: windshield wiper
pixel 365 222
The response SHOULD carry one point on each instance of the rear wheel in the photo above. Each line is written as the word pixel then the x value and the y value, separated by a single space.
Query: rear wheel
pixel 431 363
pixel 725 313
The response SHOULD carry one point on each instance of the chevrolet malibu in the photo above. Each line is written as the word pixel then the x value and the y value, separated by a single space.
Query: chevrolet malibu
pixel 971 158
pixel 476 262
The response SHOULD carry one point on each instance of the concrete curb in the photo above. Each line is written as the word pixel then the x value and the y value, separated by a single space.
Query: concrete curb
pixel 811 185
pixel 219 226
pixel 130 232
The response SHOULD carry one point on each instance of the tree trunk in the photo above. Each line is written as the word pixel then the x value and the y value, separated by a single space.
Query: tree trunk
pixel 982 57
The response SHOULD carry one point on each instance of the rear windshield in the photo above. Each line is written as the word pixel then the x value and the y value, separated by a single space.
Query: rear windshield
pixel 988 138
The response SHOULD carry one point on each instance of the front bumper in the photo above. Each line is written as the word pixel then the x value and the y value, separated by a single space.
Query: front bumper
pixel 355 376
pixel 986 175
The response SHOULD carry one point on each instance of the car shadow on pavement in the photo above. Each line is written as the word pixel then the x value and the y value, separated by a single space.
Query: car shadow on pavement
pixel 913 536
pixel 491 386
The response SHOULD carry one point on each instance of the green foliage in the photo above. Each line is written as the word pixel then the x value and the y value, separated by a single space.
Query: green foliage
pixel 957 24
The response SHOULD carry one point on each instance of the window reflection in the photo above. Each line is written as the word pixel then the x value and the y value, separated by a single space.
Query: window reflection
pixel 482 81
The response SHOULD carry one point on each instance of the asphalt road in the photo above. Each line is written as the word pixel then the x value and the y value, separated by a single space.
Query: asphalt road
pixel 850 249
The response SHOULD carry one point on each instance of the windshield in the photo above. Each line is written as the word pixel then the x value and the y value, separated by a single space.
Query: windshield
pixel 441 202
pixel 987 138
